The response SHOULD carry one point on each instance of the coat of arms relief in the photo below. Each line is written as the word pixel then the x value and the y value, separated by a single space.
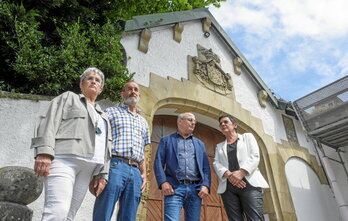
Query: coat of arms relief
pixel 207 68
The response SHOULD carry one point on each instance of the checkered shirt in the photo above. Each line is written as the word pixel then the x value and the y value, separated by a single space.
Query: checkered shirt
pixel 130 133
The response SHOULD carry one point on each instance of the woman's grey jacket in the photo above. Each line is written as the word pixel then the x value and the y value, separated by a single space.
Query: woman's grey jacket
pixel 68 128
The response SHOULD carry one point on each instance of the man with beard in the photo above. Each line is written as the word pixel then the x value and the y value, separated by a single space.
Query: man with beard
pixel 127 174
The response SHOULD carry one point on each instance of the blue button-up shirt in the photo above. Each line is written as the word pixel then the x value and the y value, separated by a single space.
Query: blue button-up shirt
pixel 188 169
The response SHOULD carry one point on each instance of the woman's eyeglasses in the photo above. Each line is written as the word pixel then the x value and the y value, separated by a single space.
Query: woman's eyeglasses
pixel 224 122
pixel 97 80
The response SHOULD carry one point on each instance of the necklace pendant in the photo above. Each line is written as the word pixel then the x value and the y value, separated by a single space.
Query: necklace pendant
pixel 97 130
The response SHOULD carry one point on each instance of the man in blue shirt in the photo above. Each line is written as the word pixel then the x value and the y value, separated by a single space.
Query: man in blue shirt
pixel 182 171
pixel 127 174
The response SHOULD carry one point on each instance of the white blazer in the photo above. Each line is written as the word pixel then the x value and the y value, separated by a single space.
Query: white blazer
pixel 248 156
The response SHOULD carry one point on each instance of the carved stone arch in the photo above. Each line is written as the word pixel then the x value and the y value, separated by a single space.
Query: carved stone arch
pixel 301 176
pixel 187 105
pixel 314 166
pixel 184 95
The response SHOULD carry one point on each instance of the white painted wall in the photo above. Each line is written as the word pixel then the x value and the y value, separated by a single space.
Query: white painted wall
pixel 312 200
pixel 167 57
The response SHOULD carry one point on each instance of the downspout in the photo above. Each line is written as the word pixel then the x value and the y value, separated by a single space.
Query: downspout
pixel 342 205
pixel 342 162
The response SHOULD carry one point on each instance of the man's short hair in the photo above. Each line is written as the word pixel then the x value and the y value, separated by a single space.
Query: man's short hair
pixel 124 86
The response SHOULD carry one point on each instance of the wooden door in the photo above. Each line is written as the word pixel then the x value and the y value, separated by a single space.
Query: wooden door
pixel 212 207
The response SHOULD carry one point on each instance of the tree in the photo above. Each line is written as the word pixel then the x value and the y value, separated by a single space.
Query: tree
pixel 46 44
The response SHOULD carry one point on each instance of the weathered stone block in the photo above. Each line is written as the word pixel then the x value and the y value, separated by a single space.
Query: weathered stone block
pixel 14 212
pixel 19 185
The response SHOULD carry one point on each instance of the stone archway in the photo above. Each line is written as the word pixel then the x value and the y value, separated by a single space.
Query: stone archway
pixel 306 189
pixel 182 96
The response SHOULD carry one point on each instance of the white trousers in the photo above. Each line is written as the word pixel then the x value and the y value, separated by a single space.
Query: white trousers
pixel 65 188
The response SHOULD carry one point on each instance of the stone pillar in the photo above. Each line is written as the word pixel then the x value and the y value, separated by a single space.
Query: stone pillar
pixel 19 186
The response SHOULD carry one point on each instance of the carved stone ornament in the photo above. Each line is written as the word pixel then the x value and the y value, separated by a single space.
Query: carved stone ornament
pixel 178 29
pixel 144 40
pixel 206 25
pixel 207 69
pixel 237 65
pixel 262 95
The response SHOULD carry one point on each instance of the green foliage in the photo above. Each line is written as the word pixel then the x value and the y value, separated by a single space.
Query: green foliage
pixel 126 9
pixel 46 44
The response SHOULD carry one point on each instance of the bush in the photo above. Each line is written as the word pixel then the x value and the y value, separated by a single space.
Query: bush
pixel 47 44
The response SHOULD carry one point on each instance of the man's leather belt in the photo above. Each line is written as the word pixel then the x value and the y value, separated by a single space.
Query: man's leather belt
pixel 126 160
pixel 189 181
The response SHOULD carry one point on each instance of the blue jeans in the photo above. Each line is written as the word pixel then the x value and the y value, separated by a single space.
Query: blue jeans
pixel 124 184
pixel 185 196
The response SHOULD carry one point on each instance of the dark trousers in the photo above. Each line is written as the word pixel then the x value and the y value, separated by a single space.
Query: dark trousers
pixel 241 204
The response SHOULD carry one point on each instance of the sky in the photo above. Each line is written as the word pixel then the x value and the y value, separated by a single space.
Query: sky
pixel 295 46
